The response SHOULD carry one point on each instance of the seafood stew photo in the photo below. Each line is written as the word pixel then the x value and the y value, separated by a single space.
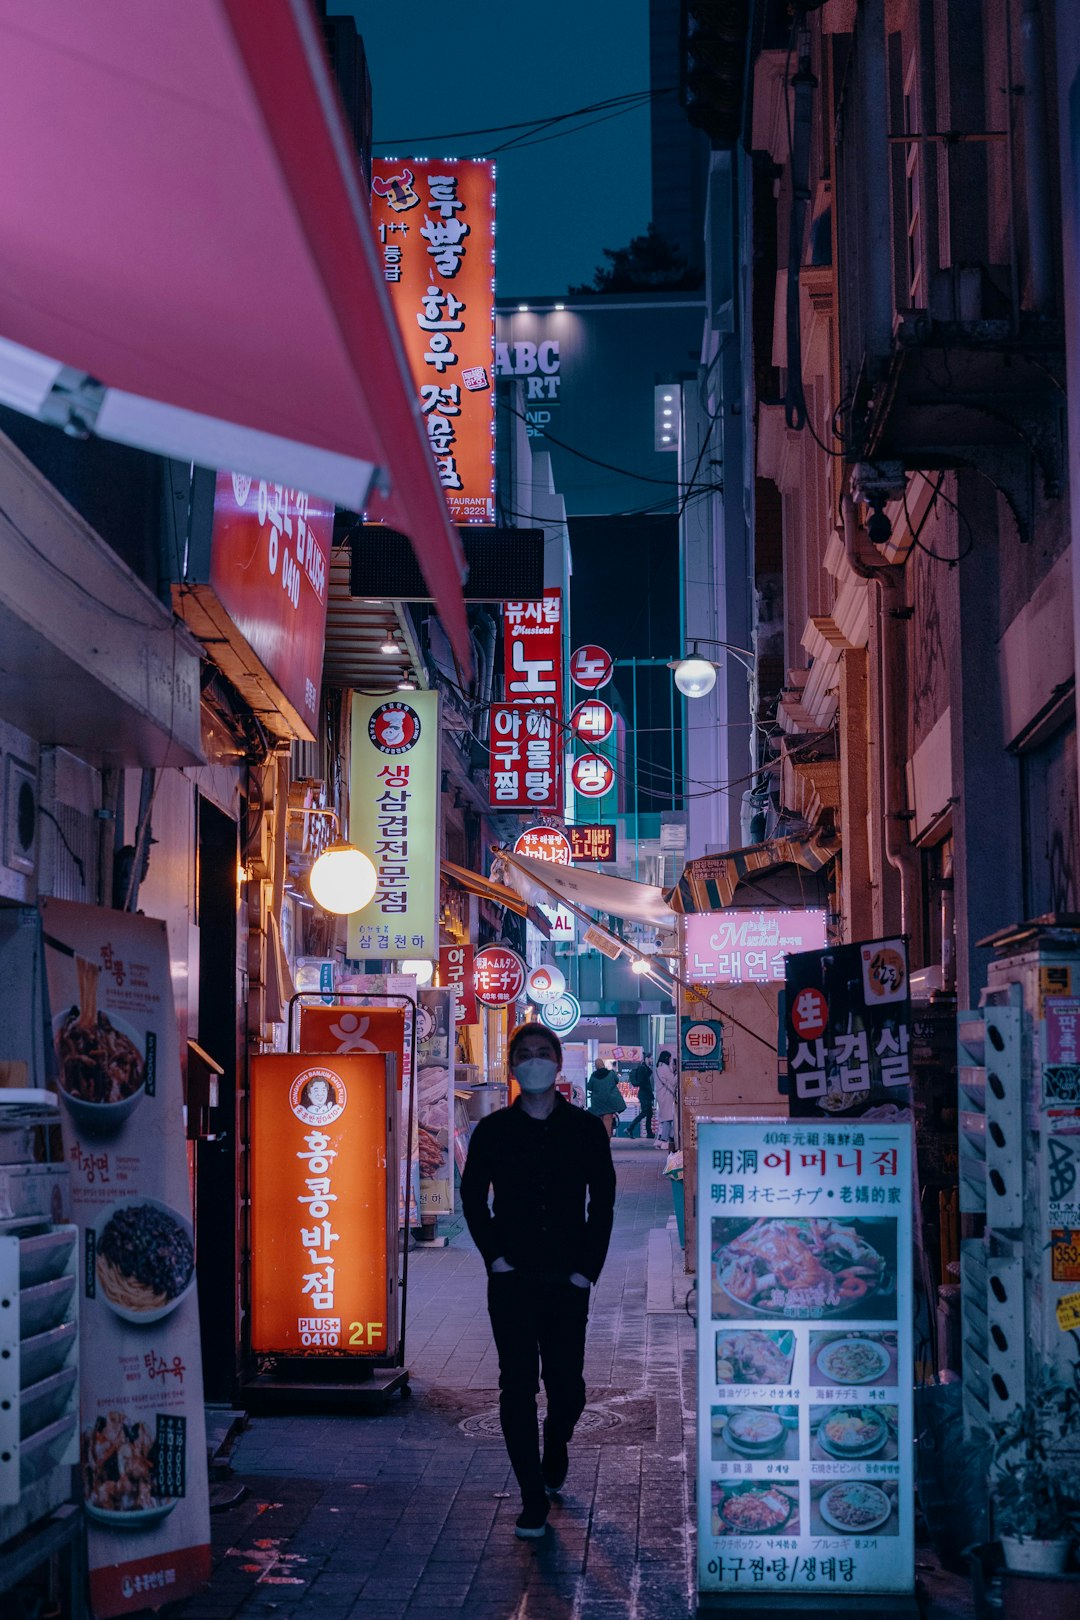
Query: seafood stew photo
pixel 754 1357
pixel 854 1359
pixel 118 1460
pixel 803 1268
pixel 754 1508
pixel 753 1431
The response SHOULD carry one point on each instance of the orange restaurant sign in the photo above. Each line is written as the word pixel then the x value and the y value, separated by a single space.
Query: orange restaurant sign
pixel 322 1225
pixel 435 232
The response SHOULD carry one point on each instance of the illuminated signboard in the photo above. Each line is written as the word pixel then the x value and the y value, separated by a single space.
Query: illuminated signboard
pixel 544 844
pixel 456 972
pixel 591 667
pixel 435 228
pixel 593 842
pixel 498 976
pixel 526 749
pixel 323 1227
pixel 805 1441
pixel 747 947
pixel 592 721
pixel 593 775
pixel 393 818
pixel 848 1016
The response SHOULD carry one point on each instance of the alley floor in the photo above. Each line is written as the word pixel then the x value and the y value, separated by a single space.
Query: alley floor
pixel 411 1513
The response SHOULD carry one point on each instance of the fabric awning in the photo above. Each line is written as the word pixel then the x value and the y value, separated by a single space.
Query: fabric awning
pixel 187 261
pixel 498 893
pixel 597 891
pixel 709 883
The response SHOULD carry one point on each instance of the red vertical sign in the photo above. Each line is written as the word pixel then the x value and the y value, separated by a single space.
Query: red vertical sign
pixel 526 746
pixel 456 972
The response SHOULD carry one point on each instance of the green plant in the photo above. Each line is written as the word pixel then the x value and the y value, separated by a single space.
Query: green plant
pixel 1036 1483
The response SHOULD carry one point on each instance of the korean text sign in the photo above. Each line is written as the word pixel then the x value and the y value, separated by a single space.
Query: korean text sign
pixel 805 1445
pixel 393 818
pixel 321 1224
pixel 525 731
pixel 140 1371
pixel 270 570
pixel 594 841
pixel 435 234
pixel 747 947
pixel 456 971
pixel 848 1026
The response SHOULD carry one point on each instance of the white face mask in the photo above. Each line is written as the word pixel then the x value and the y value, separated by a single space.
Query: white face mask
pixel 536 1074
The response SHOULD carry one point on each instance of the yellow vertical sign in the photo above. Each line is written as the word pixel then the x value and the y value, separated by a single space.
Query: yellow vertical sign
pixel 394 819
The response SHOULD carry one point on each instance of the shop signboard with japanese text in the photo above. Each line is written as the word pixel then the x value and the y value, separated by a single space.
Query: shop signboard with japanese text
pixel 435 233
pixel 498 976
pixel 805 1436
pixel 747 947
pixel 848 1028
pixel 323 1233
pixel 143 1446
pixel 255 590
pixel 393 818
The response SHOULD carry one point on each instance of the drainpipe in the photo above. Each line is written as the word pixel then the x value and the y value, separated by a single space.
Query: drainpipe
pixel 1036 169
pixel 876 255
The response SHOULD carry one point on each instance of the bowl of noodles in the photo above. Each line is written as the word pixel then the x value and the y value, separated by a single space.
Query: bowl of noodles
pixel 101 1062
pixel 144 1259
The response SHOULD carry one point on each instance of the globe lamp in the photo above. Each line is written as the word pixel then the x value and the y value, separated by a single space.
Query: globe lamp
pixel 639 965
pixel 421 968
pixel 694 676
pixel 343 879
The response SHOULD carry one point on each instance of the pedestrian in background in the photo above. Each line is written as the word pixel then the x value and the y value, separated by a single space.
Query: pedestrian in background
pixel 605 1098
pixel 667 1095
pixel 641 1077
pixel 544 1238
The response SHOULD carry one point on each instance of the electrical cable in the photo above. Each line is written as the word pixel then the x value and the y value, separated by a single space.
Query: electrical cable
pixel 916 532
pixel 624 472
pixel 528 123
pixel 521 144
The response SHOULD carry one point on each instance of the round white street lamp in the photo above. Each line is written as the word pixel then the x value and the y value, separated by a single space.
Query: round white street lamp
pixel 695 676
pixel 343 879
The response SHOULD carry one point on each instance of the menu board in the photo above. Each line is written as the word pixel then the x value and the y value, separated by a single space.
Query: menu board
pixel 435 1098
pixel 143 1443
pixel 805 1447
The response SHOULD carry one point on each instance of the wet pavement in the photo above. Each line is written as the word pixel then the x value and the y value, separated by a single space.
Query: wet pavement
pixel 411 1513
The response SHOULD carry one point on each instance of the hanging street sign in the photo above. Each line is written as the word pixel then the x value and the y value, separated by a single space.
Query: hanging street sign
pixel 593 720
pixel 544 844
pixel 593 842
pixel 591 667
pixel 499 976
pixel 544 983
pixel 702 1045
pixel 592 775
pixel 561 1013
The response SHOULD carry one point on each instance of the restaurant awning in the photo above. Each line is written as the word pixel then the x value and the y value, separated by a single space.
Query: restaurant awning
pixel 596 891
pixel 709 883
pixel 187 262
pixel 498 893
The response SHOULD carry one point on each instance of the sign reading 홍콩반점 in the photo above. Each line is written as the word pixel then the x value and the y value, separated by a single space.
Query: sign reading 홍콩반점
pixel 322 1132
pixel 143 1449
pixel 805 1447
pixel 393 818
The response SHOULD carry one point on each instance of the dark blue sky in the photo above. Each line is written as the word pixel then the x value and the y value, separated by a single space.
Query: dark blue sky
pixel 435 70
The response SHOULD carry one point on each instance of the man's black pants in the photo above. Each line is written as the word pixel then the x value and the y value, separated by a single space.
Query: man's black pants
pixel 539 1326
pixel 646 1115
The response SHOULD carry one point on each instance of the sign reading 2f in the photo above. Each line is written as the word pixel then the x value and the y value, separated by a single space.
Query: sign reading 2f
pixel 538 363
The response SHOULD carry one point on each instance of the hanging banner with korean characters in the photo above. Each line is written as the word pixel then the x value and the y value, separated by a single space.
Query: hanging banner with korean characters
pixel 525 754
pixel 456 972
pixel 848 1025
pixel 435 227
pixel 143 1468
pixel 394 819
pixel 805 1440
pixel 323 1228
pixel 435 1098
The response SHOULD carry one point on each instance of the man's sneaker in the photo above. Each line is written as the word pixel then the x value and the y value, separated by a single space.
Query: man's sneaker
pixel 555 1463
pixel 532 1520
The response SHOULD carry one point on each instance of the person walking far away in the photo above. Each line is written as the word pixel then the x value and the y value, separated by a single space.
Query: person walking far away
pixel 605 1098
pixel 544 1238
pixel 641 1077
pixel 667 1090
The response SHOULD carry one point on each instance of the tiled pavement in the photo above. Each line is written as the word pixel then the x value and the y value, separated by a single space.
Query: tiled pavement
pixel 409 1514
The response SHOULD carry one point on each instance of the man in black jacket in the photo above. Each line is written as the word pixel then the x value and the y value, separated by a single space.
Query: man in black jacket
pixel 544 1240
pixel 641 1077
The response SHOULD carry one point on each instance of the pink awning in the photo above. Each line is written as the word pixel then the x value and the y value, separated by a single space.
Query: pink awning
pixel 182 219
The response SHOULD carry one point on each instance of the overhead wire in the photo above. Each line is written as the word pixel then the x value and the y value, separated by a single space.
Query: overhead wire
pixel 530 124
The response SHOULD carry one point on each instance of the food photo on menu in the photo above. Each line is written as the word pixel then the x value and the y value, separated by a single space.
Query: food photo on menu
pixel 754 1507
pixel 850 1433
pixel 755 1356
pixel 814 1267
pixel 121 1474
pixel 857 1359
pixel 853 1507
pixel 755 1431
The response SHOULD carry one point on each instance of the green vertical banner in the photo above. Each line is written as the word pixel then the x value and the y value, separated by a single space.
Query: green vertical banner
pixel 394 819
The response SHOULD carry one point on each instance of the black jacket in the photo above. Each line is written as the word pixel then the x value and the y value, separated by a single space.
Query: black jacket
pixel 544 1172
pixel 641 1077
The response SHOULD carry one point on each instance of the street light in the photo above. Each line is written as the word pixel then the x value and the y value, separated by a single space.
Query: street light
pixel 343 879
pixel 695 676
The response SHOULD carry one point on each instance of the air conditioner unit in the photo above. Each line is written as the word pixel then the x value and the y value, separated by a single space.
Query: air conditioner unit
pixel 20 826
